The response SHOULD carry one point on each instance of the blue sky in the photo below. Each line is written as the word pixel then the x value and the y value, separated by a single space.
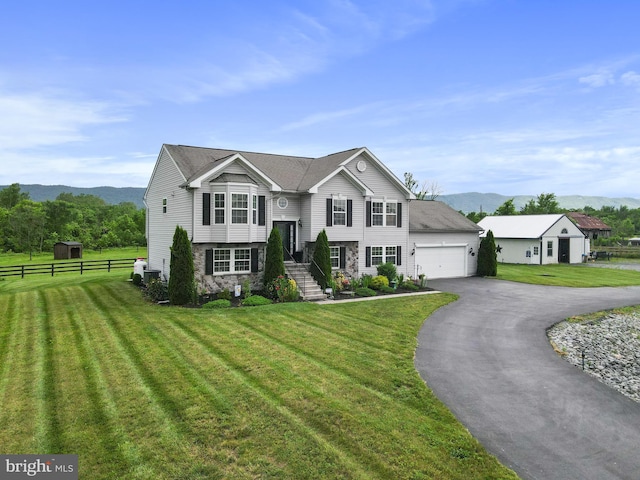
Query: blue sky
pixel 495 96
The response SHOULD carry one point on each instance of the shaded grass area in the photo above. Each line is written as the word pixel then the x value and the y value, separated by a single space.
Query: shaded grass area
pixel 282 391
pixel 568 275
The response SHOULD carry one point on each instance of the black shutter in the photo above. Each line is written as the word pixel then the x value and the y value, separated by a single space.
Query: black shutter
pixel 398 255
pixel 329 212
pixel 368 257
pixel 349 213
pixel 254 260
pixel 343 257
pixel 368 213
pixel 206 209
pixel 262 218
pixel 208 262
pixel 399 222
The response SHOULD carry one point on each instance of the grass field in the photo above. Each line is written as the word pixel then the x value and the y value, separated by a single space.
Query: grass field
pixel 568 275
pixel 287 391
pixel 87 254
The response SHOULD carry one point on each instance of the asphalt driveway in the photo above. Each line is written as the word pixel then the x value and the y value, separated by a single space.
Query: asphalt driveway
pixel 487 357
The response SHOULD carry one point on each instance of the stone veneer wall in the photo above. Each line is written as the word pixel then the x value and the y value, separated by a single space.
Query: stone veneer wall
pixel 217 283
pixel 351 259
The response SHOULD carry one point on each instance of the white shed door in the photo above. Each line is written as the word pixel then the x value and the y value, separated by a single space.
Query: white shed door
pixel 441 261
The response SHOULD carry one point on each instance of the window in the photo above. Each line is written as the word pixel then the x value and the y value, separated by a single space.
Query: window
pixel 377 213
pixel 550 248
pixel 384 214
pixel 218 208
pixel 376 255
pixel 254 210
pixel 226 260
pixel 239 208
pixel 381 254
pixel 242 260
pixel 164 205
pixel 334 254
pixel 391 214
pixel 221 261
pixel 340 211
pixel 536 250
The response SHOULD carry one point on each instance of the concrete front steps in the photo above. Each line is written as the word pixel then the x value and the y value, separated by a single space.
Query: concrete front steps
pixel 309 289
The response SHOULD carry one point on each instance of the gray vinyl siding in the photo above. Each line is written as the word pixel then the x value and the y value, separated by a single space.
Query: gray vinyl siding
pixel 338 185
pixel 304 232
pixel 161 226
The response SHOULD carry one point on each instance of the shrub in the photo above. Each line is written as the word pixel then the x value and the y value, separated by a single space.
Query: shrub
pixel 182 289
pixel 365 292
pixel 487 257
pixel 224 295
pixel 220 303
pixel 246 288
pixel 320 268
pixel 365 281
pixel 284 289
pixel 136 279
pixel 274 259
pixel 385 289
pixel 378 281
pixel 388 269
pixel 157 290
pixel 340 282
pixel 256 300
pixel 409 285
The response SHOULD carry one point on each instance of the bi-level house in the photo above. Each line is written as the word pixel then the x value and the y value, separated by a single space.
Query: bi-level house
pixel 228 201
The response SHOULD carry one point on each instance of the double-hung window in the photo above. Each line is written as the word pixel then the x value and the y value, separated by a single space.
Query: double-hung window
pixel 227 260
pixel 164 205
pixel 254 209
pixel 239 208
pixel 218 208
pixel 334 254
pixel 339 211
pixel 377 213
pixel 390 219
pixel 383 254
pixel 550 248
pixel 385 213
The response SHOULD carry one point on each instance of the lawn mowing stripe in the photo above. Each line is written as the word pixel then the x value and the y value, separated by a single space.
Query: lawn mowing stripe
pixel 8 332
pixel 168 408
pixel 346 456
pixel 100 402
pixel 48 431
pixel 17 385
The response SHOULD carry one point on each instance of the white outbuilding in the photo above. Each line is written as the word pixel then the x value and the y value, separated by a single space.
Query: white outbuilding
pixel 536 239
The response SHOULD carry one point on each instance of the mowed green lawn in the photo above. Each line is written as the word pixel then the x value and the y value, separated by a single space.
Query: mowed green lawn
pixel 568 275
pixel 288 391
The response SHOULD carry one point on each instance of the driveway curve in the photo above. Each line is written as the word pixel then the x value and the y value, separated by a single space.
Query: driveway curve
pixel 487 357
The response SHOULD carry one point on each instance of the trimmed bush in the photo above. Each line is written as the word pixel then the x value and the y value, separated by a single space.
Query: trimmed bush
pixel 274 259
pixel 487 256
pixel 256 300
pixel 389 270
pixel 365 292
pixel 136 279
pixel 378 282
pixel 321 265
pixel 182 287
pixel 220 303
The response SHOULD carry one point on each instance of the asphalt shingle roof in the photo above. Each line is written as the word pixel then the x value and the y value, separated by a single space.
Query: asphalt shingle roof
pixel 433 216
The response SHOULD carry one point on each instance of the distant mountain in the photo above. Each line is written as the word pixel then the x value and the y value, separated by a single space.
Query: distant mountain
pixel 489 202
pixel 465 202
pixel 111 195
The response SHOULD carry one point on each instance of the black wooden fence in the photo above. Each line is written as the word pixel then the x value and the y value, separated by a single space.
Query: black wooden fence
pixel 66 267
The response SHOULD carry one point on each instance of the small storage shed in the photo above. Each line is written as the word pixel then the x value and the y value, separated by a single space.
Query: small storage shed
pixel 67 250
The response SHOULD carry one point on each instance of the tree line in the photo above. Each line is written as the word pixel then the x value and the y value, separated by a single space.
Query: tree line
pixel 30 226
pixel 623 221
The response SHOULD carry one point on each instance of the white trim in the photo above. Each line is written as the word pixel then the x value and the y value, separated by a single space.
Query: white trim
pixel 197 182
pixel 363 188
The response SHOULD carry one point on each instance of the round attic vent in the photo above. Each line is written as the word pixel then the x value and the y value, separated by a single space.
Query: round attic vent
pixel 361 166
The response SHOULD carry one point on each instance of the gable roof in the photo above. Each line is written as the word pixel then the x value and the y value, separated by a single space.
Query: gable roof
pixel 585 222
pixel 519 226
pixel 284 172
pixel 433 216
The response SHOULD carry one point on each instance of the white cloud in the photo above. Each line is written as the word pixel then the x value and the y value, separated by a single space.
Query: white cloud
pixel 597 80
pixel 630 78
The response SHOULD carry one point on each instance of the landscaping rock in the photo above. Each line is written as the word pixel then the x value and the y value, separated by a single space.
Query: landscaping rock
pixel 611 348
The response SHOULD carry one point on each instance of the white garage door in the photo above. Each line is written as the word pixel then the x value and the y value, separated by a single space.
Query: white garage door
pixel 441 261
